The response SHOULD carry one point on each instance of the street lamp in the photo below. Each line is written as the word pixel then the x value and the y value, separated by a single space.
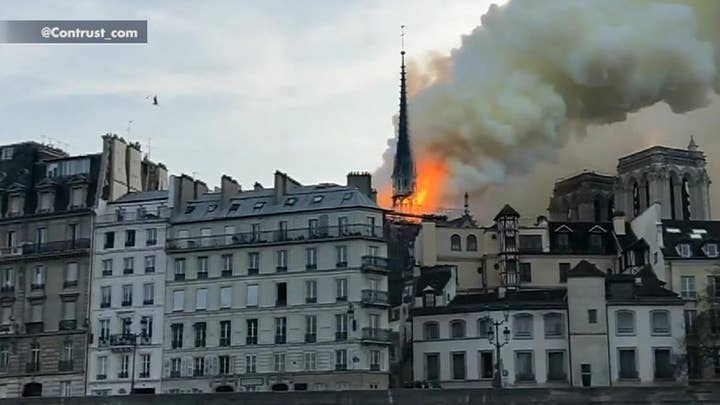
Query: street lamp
pixel 142 335
pixel 495 340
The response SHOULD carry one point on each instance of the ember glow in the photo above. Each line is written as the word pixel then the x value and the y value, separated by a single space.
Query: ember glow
pixel 431 183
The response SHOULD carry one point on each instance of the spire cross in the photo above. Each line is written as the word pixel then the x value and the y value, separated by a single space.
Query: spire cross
pixel 467 206
pixel 402 39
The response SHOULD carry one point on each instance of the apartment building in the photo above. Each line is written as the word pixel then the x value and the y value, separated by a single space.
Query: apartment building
pixel 277 289
pixel 46 215
pixel 128 292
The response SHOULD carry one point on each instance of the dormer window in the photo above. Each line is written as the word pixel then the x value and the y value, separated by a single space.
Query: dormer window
pixel 259 205
pixel 77 197
pixel 189 209
pixel 16 205
pixel 212 208
pixel 347 196
pixel 683 249
pixel 233 208
pixel 6 153
pixel 562 240
pixel 317 199
pixel 45 202
pixel 429 298
pixel 711 249
pixel 291 201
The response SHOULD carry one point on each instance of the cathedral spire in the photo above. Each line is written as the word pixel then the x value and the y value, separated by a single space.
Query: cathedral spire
pixel 403 175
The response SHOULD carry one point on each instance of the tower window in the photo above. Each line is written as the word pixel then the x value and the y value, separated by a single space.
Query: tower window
pixel 455 243
pixel 685 195
pixel 636 199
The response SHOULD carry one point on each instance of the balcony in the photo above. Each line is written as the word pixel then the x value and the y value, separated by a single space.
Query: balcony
pixel 104 305
pixel 275 236
pixel 7 290
pixel 375 264
pixel 107 273
pixel 65 365
pixel 226 273
pixel 148 302
pixel 203 275
pixel 32 367
pixel 340 336
pixel 37 286
pixel 70 283
pixel 281 269
pixel 311 267
pixel 376 335
pixel 341 265
pixel 8 329
pixel 251 340
pixel 179 276
pixel 34 327
pixel 253 271
pixel 122 342
pixel 149 269
pixel 56 248
pixel 126 303
pixel 280 339
pixel 374 367
pixel 68 324
pixel 128 271
pixel 310 338
pixel 142 215
pixel 374 298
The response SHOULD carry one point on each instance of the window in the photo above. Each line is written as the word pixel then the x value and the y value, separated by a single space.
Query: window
pixel 310 291
pixel 224 365
pixel 225 333
pixel 663 364
pixel 36 312
pixel 713 286
pixel 431 330
pixel 690 316
pixel 523 326
pixel 107 265
pixel 341 256
pixel 711 250
pixel 206 237
pixel 455 243
pixel 625 322
pixel 109 240
pixel 457 329
pixel 127 291
pixel 199 366
pixel 253 262
pixel 660 322
pixel 683 249
pixel 317 199
pixel 35 355
pixel 525 273
pixel 105 297
pixel 281 260
pixel 148 294
pixel 341 359
pixel 562 240
pixel 279 362
pixel 151 237
pixel 313 228
pixel 71 273
pixel 179 269
pixel 201 299
pixel 310 328
pixel 6 153
pixel 41 236
pixel 341 327
pixel 200 333
pixel 225 297
pixel 39 277
pixel 628 366
pixel 596 242
pixel 429 298
pixel 592 315
pixel 280 294
pixel 6 315
pixel 564 268
pixel 471 243
pixel 487 365
pixel 178 300
pixel 524 367
pixel 8 278
pixel 687 287
pixel 149 264
pixel 145 361
pixel 177 335
pixel 281 329
pixel 311 258
pixel 310 361
pixel 227 265
pixel 432 366
pixel 146 326
pixel 129 238
pixel 124 366
pixel 252 295
pixel 102 367
pixel 556 366
pixel 341 286
pixel 128 265
pixel 175 367
pixel 554 325
pixel 250 363
pixel 458 365
pixel 202 271
pixel 252 329
pixel 343 226
pixel 483 326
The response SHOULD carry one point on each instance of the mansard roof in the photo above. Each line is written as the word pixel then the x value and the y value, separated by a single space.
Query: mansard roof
pixel 435 277
pixel 694 233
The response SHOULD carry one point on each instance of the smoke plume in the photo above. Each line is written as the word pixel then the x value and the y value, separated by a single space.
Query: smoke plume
pixel 537 73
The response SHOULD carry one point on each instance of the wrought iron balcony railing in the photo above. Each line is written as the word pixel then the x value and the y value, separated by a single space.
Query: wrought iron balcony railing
pixel 374 297
pixel 375 264
pixel 68 324
pixel 126 216
pixel 376 335
pixel 56 247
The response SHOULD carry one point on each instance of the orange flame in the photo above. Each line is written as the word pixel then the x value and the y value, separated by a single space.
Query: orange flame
pixel 430 186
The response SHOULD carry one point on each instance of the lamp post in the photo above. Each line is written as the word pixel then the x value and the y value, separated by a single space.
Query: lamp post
pixel 494 339
pixel 135 336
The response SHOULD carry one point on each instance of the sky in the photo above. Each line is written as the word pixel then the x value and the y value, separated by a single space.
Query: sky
pixel 249 87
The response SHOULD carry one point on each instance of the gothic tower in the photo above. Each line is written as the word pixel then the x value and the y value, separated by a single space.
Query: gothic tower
pixel 403 176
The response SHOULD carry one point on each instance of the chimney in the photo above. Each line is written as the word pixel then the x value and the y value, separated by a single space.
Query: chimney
pixel 363 182
pixel 257 186
pixel 181 191
pixel 619 223
pixel 280 185
pixel 133 167
pixel 199 188
pixel 228 189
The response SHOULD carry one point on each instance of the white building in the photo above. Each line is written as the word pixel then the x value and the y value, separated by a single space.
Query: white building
pixel 128 290
pixel 276 289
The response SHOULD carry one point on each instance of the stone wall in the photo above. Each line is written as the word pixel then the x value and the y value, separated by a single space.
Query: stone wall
pixel 650 395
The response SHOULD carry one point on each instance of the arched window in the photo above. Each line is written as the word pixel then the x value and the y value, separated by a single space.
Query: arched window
pixel 625 320
pixel 523 326
pixel 471 243
pixel 483 326
pixel 431 331
pixel 457 329
pixel 660 322
pixel 455 243
pixel 554 325
pixel 685 194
